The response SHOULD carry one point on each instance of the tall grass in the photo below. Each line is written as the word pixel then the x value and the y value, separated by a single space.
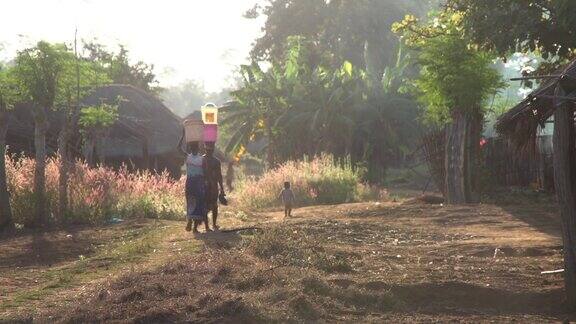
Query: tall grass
pixel 95 194
pixel 322 180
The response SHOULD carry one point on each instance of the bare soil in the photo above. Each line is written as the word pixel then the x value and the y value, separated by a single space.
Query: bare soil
pixel 409 261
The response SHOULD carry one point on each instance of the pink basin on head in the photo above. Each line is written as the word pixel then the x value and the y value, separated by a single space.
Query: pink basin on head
pixel 210 132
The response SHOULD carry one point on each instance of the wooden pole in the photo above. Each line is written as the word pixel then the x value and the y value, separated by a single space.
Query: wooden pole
pixel 565 182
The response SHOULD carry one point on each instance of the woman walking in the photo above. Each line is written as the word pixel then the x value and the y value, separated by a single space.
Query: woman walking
pixel 195 188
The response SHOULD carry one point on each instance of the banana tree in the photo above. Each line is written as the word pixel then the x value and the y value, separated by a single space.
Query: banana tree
pixel 254 111
pixel 322 109
pixel 386 121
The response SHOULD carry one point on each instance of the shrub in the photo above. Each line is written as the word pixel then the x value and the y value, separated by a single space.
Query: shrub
pixel 322 180
pixel 95 194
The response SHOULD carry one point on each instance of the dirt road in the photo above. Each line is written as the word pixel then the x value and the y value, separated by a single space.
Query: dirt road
pixel 368 262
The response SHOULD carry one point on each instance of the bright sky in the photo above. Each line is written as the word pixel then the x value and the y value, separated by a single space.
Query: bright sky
pixel 203 40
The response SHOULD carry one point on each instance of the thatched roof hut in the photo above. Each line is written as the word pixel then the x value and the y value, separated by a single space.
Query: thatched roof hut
pixel 146 134
pixel 20 135
pixel 555 97
pixel 521 123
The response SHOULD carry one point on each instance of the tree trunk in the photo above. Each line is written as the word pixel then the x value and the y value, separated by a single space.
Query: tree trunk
pixel 100 143
pixel 565 181
pixel 455 159
pixel 374 65
pixel 99 154
pixel 145 154
pixel 270 152
pixel 461 158
pixel 89 147
pixel 40 170
pixel 6 222
pixel 64 170
pixel 472 149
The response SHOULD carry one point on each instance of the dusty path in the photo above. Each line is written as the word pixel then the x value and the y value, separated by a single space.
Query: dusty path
pixel 365 262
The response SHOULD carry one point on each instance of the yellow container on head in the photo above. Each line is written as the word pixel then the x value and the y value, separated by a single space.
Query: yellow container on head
pixel 210 114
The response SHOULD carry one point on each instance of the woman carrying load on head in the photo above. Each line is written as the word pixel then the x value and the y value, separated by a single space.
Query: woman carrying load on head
pixel 195 187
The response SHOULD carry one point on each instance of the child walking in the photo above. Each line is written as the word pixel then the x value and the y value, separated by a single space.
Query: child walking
pixel 288 198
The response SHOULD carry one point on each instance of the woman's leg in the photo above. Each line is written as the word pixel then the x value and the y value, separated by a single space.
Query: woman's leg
pixel 189 203
pixel 215 216
pixel 200 211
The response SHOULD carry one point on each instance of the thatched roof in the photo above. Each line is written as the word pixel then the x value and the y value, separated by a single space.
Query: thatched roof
pixel 142 118
pixel 20 136
pixel 520 124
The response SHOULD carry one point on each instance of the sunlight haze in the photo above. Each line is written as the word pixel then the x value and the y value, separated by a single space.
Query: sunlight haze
pixel 198 40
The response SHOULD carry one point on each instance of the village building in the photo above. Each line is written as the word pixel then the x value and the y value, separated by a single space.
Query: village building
pixel 144 137
pixel 556 99
pixel 146 134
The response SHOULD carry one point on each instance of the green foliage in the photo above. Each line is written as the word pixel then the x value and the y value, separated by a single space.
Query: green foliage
pixel 339 28
pixel 118 68
pixel 97 117
pixel 454 75
pixel 52 77
pixel 39 71
pixel 544 26
pixel 9 94
pixel 79 78
pixel 304 107
pixel 188 97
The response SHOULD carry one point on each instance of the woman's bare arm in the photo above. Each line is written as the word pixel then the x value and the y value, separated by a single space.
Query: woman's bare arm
pixel 180 148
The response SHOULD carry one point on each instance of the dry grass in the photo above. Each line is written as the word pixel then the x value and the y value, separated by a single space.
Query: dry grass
pixel 96 194
pixel 404 262
pixel 322 180
pixel 225 287
pixel 286 247
pixel 128 248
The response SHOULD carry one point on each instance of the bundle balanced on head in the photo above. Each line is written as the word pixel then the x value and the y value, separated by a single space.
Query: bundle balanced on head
pixel 204 184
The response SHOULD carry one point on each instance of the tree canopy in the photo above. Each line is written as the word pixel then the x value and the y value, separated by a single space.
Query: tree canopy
pixel 39 71
pixel 454 75
pixel 341 28
pixel 119 69
pixel 544 26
